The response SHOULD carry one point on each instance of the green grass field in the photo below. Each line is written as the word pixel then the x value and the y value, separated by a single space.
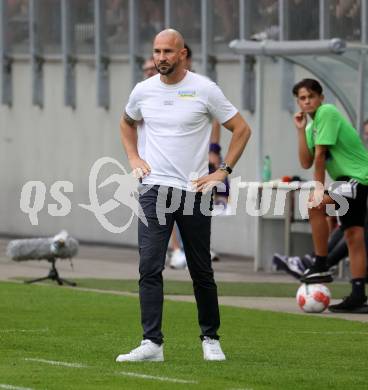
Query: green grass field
pixel 239 289
pixel 44 328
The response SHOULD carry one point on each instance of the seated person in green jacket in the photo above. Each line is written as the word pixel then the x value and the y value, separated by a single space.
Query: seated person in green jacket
pixel 329 142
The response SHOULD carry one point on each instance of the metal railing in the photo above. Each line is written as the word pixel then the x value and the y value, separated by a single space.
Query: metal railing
pixel 104 29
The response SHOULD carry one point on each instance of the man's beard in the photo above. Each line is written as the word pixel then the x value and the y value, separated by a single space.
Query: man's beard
pixel 168 70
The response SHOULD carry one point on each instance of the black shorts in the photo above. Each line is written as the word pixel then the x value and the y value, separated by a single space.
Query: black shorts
pixel 356 195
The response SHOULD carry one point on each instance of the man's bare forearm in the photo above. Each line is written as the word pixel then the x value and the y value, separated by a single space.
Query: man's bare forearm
pixel 305 158
pixel 240 136
pixel 239 140
pixel 129 137
pixel 319 169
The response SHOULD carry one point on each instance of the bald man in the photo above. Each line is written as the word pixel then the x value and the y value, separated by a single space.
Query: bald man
pixel 177 107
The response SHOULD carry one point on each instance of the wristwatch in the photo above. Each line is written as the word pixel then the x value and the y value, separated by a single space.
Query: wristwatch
pixel 224 167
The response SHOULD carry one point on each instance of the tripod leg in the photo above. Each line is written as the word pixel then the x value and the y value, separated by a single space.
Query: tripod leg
pixel 53 275
pixel 37 280
pixel 59 280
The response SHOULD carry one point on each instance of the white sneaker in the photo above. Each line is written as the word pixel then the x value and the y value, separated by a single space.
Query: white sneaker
pixel 214 256
pixel 148 351
pixel 178 259
pixel 212 349
pixel 295 264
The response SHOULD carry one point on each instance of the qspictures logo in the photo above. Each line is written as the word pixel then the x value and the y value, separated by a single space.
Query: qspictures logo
pixel 260 199
pixel 126 194
pixel 33 197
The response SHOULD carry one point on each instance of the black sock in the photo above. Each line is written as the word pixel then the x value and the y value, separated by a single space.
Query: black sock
pixel 358 286
pixel 320 262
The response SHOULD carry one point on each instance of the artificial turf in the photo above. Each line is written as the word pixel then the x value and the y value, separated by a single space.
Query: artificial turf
pixel 241 289
pixel 265 350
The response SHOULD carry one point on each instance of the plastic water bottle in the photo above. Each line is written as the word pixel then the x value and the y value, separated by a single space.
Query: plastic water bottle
pixel 266 172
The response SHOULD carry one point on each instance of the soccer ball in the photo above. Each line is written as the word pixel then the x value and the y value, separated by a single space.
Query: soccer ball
pixel 313 298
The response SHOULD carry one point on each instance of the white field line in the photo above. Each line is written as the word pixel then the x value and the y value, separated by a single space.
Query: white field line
pixel 125 373
pixel 56 363
pixel 10 387
pixel 24 330
pixel 243 388
pixel 157 378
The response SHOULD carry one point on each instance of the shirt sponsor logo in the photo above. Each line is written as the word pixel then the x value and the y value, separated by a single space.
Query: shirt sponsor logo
pixel 187 93
pixel 168 102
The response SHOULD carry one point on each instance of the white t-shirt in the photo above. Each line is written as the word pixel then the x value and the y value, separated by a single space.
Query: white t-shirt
pixel 176 126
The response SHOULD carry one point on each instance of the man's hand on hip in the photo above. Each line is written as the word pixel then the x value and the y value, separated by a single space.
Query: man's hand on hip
pixel 206 183
pixel 140 168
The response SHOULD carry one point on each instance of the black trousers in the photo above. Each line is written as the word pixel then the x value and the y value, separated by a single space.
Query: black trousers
pixel 337 247
pixel 161 207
